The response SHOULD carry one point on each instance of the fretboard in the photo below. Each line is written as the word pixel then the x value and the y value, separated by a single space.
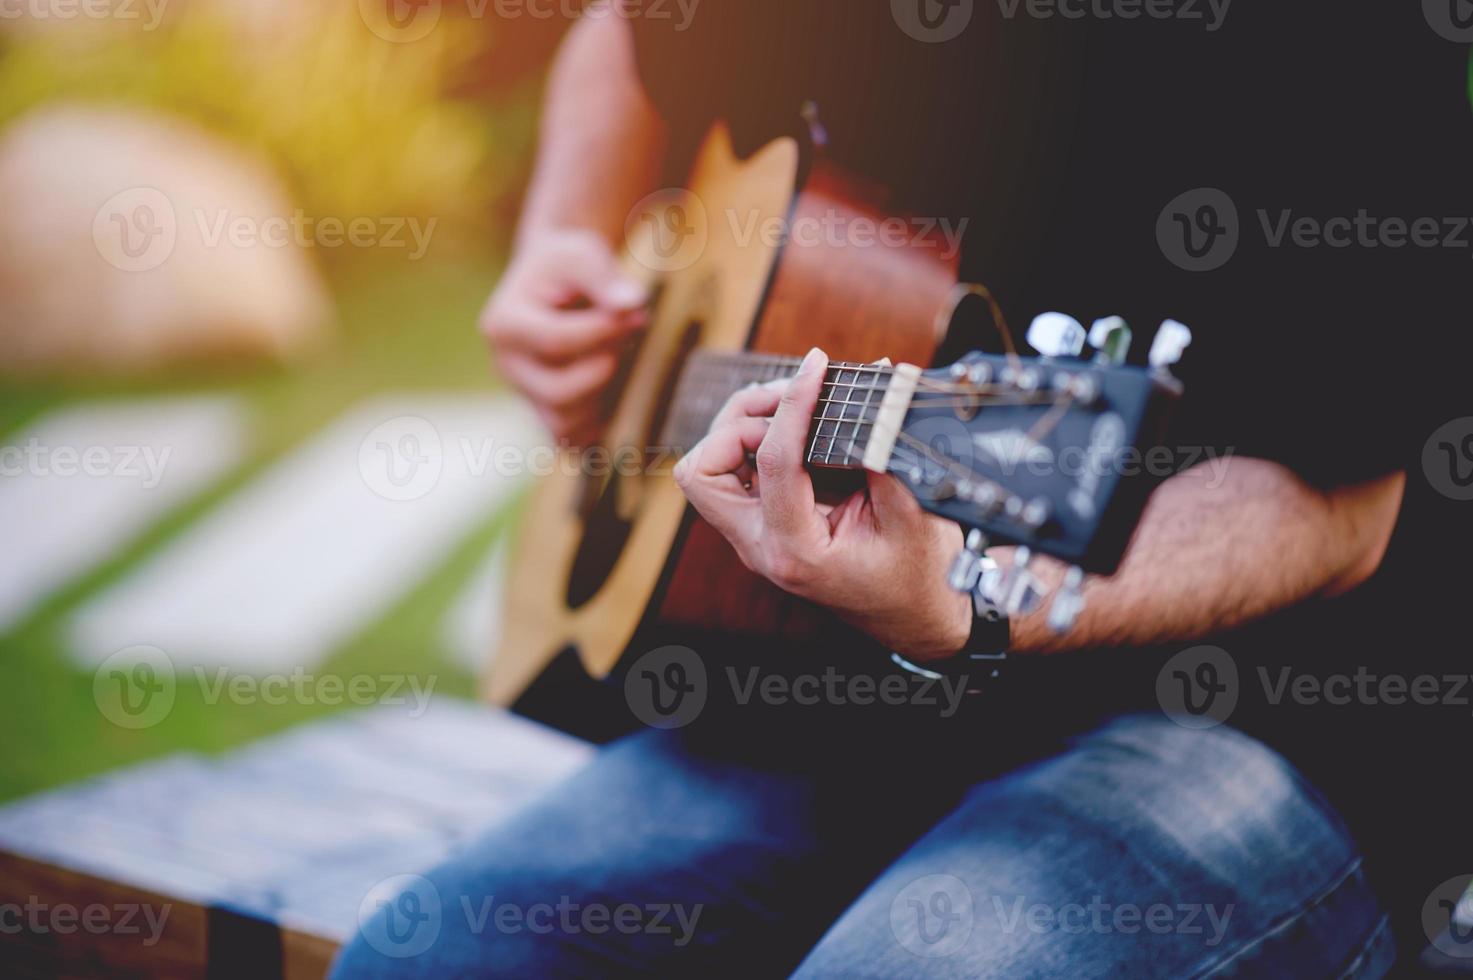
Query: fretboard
pixel 849 405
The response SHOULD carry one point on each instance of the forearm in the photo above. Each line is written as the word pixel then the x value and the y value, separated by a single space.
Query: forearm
pixel 601 139
pixel 1208 557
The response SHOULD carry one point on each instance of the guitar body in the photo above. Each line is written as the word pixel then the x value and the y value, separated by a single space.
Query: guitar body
pixel 603 557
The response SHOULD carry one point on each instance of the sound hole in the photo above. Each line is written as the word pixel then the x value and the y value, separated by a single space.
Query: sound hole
pixel 605 531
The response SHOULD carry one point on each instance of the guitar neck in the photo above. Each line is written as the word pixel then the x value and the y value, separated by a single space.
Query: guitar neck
pixel 860 407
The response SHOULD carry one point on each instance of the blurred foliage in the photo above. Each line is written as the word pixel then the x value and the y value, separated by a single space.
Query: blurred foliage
pixel 357 125
pixel 409 328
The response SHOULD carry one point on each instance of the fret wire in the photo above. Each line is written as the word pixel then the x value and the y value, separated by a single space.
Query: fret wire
pixel 818 429
pixel 820 433
pixel 844 411
pixel 711 376
pixel 828 451
pixel 854 435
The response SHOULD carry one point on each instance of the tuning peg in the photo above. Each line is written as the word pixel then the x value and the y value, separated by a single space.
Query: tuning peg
pixel 1056 335
pixel 1014 589
pixel 1171 340
pixel 1068 602
pixel 966 568
pixel 1111 338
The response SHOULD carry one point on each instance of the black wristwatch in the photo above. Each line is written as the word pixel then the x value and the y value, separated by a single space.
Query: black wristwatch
pixel 981 659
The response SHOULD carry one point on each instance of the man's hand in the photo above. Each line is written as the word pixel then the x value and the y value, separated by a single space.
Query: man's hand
pixel 557 323
pixel 876 559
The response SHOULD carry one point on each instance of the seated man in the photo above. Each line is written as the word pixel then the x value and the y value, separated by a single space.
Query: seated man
pixel 1064 831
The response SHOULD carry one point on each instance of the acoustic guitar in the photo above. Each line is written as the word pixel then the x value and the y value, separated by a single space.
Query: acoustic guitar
pixel 1019 450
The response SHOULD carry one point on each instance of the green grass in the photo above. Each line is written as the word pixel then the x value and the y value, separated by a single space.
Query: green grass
pixel 403 326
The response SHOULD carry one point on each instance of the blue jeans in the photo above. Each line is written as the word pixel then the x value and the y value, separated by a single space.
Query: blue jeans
pixel 1137 849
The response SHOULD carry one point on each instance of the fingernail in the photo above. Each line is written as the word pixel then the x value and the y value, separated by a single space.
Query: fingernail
pixel 626 292
pixel 811 361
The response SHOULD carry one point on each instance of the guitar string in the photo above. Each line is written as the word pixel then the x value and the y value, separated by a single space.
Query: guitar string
pixel 738 361
pixel 972 398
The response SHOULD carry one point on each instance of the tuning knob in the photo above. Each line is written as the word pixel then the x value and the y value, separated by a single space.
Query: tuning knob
pixel 1068 602
pixel 1111 338
pixel 966 569
pixel 1056 335
pixel 1171 340
pixel 1014 589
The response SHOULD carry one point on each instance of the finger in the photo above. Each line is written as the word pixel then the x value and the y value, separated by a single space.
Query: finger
pixel 559 386
pixel 850 511
pixel 754 400
pixel 892 504
pixel 787 491
pixel 578 425
pixel 594 270
pixel 726 450
pixel 559 335
pixel 710 476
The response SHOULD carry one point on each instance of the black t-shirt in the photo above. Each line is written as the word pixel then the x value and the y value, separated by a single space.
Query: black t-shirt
pixel 1068 144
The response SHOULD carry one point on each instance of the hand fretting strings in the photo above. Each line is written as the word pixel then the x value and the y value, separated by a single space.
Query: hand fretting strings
pixel 848 401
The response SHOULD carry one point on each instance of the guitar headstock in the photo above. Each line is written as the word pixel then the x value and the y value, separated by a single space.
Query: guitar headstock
pixel 1040 452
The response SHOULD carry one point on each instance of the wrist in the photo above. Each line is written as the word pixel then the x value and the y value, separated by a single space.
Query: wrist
pixel 955 629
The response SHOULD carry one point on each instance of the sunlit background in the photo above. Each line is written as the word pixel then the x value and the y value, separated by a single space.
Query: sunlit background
pixel 244 245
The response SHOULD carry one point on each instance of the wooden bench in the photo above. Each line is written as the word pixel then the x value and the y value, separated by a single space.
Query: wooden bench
pixel 254 864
